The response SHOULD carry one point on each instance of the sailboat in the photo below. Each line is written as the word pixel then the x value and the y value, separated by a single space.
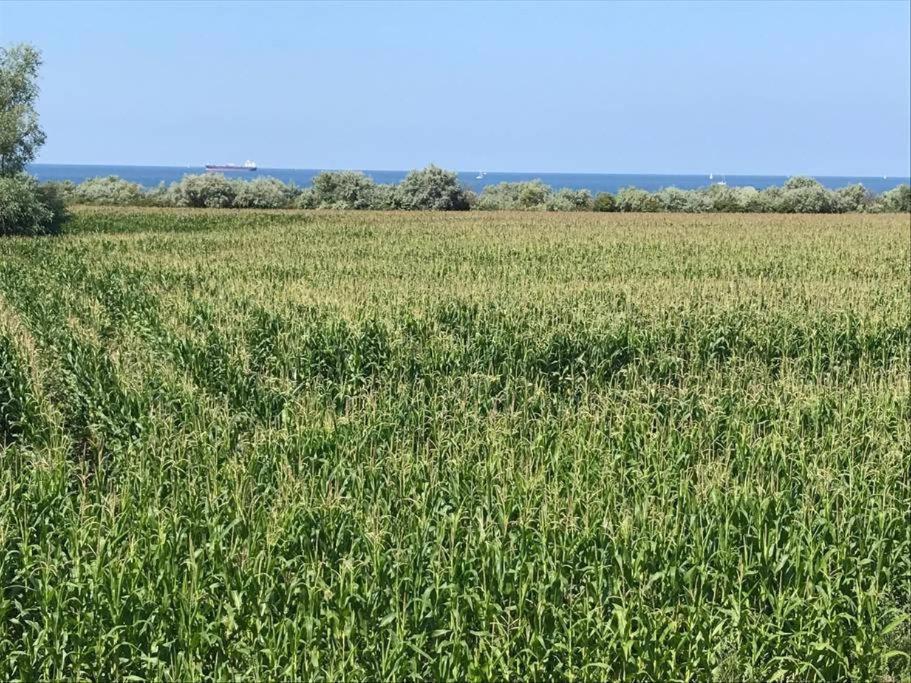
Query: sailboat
pixel 481 174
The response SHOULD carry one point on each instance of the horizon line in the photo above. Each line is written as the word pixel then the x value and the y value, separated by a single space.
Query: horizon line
pixel 402 170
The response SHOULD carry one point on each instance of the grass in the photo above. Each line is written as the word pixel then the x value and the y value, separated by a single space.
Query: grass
pixel 362 446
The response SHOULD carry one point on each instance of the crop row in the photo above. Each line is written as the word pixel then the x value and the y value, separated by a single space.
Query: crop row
pixel 363 446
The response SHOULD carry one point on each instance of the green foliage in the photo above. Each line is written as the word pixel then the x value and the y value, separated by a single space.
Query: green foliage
pixel 604 201
pixel 852 198
pixel 64 189
pixel 672 199
pixel 802 183
pixel 20 134
pixel 335 446
pixel 806 199
pixel 263 193
pixel 160 195
pixel 435 189
pixel 209 190
pixel 748 199
pixel 54 199
pixel 533 194
pixel 432 189
pixel 897 199
pixel 570 200
pixel 109 191
pixel 501 197
pixel 633 199
pixel 27 208
pixel 384 197
pixel 342 190
pixel 306 199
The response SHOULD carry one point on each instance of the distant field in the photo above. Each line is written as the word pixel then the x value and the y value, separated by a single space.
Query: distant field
pixel 399 446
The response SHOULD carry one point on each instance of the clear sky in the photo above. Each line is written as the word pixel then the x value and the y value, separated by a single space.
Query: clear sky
pixel 767 87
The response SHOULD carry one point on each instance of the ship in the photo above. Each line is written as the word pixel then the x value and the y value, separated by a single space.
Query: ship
pixel 246 166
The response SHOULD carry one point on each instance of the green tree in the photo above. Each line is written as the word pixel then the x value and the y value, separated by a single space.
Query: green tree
pixel 210 190
pixel 897 199
pixel 604 201
pixel 262 193
pixel 343 190
pixel 433 189
pixel 636 200
pixel 800 182
pixel 109 190
pixel 27 208
pixel 20 134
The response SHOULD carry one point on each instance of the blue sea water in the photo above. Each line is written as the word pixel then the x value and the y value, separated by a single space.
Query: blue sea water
pixel 150 176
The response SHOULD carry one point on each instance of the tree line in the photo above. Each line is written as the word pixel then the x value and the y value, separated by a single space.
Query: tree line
pixel 433 188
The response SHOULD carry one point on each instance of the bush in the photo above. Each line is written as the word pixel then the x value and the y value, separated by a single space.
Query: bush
pixel 306 199
pixel 29 209
pixel 210 190
pixel 632 199
pixel 110 191
pixel 770 199
pixel 532 195
pixel 65 190
pixel 528 195
pixel 262 193
pixel 436 189
pixel 569 200
pixel 748 199
pixel 432 189
pixel 673 199
pixel 722 199
pixel 343 190
pixel 852 198
pixel 801 182
pixel 502 196
pixel 160 195
pixel 53 198
pixel 604 201
pixel 897 199
pixel 806 199
pixel 384 198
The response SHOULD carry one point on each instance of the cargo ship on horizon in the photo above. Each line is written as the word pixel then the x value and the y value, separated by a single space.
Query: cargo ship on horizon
pixel 246 166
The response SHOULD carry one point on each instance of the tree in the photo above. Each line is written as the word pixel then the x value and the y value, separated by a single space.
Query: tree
pixel 20 134
pixel 28 209
pixel 343 190
pixel 533 194
pixel 604 201
pixel 210 190
pixel 896 199
pixel 262 193
pixel 527 195
pixel 567 199
pixel 109 190
pixel 433 189
pixel 633 199
pixel 672 199
pixel 852 198
pixel 801 182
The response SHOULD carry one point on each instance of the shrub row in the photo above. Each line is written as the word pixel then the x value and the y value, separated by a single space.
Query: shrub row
pixel 431 188
pixel 436 189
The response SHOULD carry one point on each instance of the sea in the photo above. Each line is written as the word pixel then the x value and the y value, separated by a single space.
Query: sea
pixel 149 176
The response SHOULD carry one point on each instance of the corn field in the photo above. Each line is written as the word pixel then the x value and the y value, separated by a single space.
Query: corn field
pixel 411 446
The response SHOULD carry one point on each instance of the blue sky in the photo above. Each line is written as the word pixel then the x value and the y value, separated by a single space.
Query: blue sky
pixel 767 87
